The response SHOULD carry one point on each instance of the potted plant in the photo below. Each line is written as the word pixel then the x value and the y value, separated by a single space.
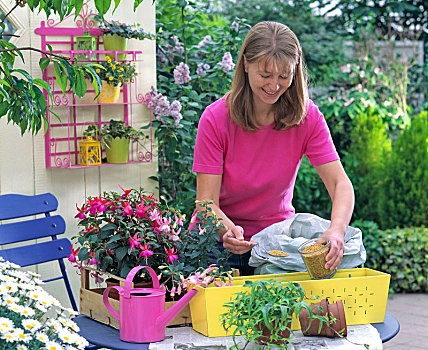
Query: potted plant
pixel 115 136
pixel 116 35
pixel 264 312
pixel 122 230
pixel 113 75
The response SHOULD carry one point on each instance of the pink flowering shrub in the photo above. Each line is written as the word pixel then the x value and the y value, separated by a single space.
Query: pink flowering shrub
pixel 122 230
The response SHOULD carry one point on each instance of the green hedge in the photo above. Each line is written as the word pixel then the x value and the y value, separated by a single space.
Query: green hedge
pixel 401 252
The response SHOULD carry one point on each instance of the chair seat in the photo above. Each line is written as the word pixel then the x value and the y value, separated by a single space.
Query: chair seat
pixel 103 335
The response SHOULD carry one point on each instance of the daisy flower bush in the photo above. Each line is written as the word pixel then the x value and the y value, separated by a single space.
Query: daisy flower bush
pixel 122 230
pixel 30 318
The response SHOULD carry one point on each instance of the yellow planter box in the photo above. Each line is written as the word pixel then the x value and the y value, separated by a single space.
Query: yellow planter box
pixel 364 293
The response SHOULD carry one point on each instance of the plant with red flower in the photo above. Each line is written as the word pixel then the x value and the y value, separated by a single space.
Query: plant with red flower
pixel 122 230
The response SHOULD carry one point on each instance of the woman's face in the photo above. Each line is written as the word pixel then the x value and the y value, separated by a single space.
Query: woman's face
pixel 268 80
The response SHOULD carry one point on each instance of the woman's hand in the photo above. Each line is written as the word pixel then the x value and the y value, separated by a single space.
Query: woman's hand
pixel 233 241
pixel 337 246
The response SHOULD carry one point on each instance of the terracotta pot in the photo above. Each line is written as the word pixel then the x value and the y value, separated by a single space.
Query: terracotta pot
pixel 284 335
pixel 114 294
pixel 334 309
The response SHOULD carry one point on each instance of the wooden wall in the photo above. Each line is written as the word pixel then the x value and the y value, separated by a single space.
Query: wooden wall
pixel 22 158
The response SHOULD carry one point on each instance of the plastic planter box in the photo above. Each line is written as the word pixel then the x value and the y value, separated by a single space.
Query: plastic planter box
pixel 364 293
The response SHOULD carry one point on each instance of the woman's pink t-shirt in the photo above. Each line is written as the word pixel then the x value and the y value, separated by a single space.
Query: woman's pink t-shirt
pixel 258 168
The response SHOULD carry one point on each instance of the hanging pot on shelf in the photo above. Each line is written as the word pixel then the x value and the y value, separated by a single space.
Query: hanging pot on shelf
pixel 109 93
pixel 117 150
pixel 115 43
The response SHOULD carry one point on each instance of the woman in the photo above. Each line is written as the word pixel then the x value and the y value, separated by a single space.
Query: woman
pixel 250 144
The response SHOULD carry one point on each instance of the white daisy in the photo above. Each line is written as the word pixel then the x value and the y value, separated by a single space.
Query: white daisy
pixel 66 336
pixel 22 336
pixel 21 347
pixel 42 337
pixel 51 345
pixel 5 322
pixel 31 325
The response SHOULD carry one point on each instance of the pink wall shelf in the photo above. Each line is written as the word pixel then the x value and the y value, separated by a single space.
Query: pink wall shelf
pixel 63 136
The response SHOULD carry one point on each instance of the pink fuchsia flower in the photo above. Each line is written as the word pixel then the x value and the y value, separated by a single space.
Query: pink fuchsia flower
pixel 141 210
pixel 81 212
pixel 165 225
pixel 227 62
pixel 182 74
pixel 97 277
pixel 72 256
pixel 126 194
pixel 145 251
pixel 154 215
pixel 93 260
pixel 174 235
pixel 134 241
pixel 127 209
pixel 171 254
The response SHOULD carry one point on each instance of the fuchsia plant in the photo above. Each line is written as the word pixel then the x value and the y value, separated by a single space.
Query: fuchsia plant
pixel 122 230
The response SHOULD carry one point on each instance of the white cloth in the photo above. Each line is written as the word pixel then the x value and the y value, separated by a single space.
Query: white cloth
pixel 289 234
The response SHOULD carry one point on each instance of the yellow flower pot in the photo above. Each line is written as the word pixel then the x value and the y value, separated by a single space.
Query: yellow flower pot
pixel 109 93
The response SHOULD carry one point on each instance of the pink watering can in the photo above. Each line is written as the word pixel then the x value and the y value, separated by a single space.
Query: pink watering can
pixel 142 310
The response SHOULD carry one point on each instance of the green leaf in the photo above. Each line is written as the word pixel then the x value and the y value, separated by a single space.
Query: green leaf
pixel 61 77
pixel 78 7
pixel 116 4
pixel 121 252
pixel 80 84
pixel 4 107
pixel 4 93
pixel 102 6
pixel 44 62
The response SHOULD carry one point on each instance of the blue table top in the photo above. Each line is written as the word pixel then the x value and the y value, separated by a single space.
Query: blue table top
pixel 108 337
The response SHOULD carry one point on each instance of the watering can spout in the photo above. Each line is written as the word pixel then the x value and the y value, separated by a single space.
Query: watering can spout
pixel 167 316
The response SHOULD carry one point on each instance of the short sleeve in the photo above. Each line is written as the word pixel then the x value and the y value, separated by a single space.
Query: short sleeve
pixel 209 148
pixel 319 146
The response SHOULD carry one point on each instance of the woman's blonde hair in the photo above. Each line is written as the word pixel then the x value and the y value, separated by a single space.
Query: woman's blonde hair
pixel 270 42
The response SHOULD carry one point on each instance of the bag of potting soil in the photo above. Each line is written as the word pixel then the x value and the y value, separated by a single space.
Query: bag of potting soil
pixel 289 234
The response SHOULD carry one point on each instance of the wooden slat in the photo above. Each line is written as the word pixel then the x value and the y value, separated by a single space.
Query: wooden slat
pixel 31 229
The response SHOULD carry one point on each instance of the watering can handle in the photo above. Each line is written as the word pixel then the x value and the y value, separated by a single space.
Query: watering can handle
pixel 130 277
pixel 107 302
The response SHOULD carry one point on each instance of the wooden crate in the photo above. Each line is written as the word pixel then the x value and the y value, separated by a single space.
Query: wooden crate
pixel 91 303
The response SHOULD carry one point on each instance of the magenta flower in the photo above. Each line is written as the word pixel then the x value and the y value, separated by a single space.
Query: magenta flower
pixel 145 251
pixel 171 254
pixel 127 209
pixel 81 212
pixel 134 241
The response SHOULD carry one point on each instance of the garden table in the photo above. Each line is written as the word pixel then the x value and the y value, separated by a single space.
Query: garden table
pixel 108 337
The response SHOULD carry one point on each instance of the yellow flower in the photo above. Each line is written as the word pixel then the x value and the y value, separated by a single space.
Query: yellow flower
pixel 115 62
pixel 110 78
pixel 108 59
pixel 113 66
pixel 97 70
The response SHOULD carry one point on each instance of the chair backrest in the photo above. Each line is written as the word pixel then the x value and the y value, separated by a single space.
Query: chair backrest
pixel 27 229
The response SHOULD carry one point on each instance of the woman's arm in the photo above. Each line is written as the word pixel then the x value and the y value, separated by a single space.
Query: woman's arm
pixel 208 189
pixel 341 192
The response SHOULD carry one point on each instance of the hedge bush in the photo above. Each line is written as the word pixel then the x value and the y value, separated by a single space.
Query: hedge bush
pixel 366 161
pixel 403 199
pixel 401 252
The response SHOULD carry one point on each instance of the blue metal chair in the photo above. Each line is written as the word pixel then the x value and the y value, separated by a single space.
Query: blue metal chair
pixel 27 229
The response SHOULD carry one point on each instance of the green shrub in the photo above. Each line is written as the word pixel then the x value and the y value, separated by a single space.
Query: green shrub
pixel 365 162
pixel 403 198
pixel 403 253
